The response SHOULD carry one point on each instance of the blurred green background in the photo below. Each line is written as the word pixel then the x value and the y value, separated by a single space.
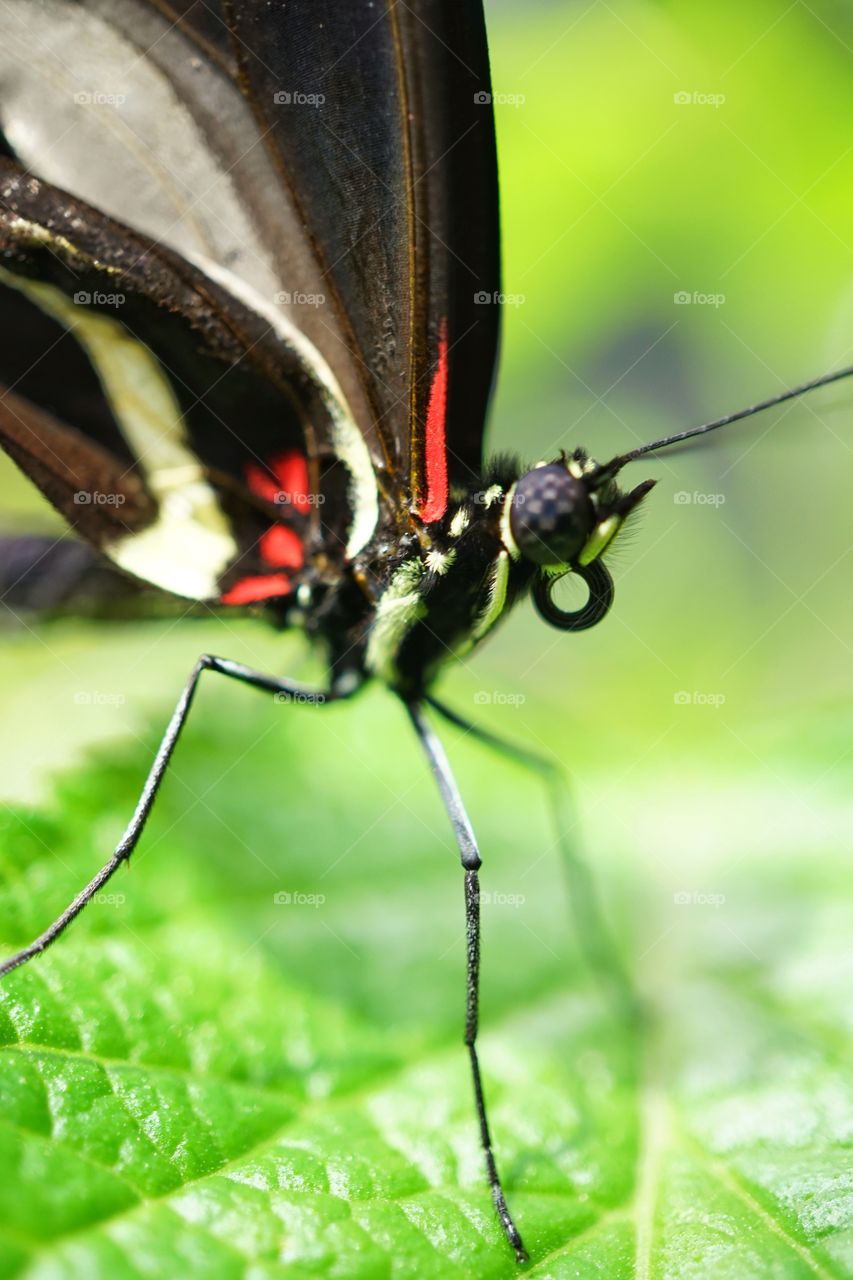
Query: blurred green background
pixel 647 151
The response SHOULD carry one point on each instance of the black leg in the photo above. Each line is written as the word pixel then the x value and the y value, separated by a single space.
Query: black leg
pixel 470 855
pixel 596 942
pixel 130 839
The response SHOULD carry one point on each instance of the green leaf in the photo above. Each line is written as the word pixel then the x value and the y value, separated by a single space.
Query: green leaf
pixel 198 1080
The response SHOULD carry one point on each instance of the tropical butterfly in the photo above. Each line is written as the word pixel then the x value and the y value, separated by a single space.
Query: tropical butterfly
pixel 250 334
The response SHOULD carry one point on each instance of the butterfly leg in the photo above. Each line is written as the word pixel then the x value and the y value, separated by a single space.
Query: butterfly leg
pixel 470 855
pixel 594 934
pixel 130 839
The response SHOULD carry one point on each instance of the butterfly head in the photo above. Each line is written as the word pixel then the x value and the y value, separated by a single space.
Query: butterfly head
pixel 562 516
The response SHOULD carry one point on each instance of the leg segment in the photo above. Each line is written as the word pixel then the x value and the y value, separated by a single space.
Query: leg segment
pixel 130 839
pixel 593 932
pixel 470 856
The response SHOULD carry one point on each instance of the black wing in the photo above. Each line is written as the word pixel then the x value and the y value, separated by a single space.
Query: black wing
pixel 61 577
pixel 299 202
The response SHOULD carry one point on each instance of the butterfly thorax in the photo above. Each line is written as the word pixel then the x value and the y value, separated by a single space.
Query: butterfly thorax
pixel 447 591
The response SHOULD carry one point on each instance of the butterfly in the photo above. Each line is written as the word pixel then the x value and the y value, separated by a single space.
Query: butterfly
pixel 250 282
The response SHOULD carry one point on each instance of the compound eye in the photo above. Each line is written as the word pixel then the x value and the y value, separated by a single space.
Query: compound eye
pixel 551 516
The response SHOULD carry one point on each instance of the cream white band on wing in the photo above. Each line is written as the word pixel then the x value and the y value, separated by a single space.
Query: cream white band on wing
pixel 347 441
pixel 133 147
pixel 190 544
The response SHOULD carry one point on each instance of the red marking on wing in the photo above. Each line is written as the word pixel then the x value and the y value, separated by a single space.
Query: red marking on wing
pixel 282 548
pixel 261 483
pixel 434 503
pixel 283 480
pixel 291 472
pixel 250 590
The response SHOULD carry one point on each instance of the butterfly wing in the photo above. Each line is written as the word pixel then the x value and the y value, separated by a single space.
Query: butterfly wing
pixel 62 577
pixel 160 415
pixel 297 205
pixel 379 119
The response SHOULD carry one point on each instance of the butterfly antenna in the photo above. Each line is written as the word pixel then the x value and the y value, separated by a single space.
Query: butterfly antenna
pixel 618 462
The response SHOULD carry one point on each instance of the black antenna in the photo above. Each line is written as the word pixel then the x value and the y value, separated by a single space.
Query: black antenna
pixel 614 465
